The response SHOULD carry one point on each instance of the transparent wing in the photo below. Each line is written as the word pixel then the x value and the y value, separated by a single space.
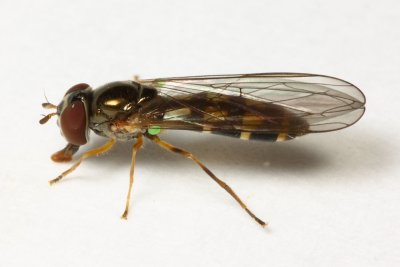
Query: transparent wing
pixel 316 103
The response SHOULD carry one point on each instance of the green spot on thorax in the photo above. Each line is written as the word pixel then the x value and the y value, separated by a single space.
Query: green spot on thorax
pixel 154 130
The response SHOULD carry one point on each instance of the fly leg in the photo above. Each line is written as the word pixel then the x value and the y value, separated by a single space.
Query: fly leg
pixel 94 152
pixel 221 183
pixel 135 149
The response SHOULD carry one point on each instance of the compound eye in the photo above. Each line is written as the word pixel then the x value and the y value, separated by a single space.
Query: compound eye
pixel 77 87
pixel 73 123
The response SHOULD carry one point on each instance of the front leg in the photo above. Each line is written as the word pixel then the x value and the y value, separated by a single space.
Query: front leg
pixel 136 147
pixel 94 152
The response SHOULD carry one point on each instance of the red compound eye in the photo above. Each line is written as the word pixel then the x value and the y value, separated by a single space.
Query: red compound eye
pixel 73 123
pixel 77 87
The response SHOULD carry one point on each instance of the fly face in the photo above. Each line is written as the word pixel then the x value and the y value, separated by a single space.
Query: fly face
pixel 73 119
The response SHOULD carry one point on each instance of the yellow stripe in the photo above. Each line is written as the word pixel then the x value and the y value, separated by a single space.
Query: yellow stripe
pixel 213 113
pixel 281 137
pixel 177 113
pixel 245 135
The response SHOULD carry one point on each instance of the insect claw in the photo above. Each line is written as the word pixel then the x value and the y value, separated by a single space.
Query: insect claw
pixel 124 216
pixel 52 182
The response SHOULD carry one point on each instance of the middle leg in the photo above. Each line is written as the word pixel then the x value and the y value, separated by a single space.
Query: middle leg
pixel 136 147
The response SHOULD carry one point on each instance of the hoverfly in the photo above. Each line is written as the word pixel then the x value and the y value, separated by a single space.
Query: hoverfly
pixel 264 106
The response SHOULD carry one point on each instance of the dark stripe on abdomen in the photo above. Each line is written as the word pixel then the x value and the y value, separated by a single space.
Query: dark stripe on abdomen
pixel 269 137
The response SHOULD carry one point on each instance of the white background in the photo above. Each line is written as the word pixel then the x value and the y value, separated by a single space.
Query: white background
pixel 331 199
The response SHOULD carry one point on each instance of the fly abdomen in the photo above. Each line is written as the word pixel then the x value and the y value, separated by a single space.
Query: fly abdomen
pixel 233 116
